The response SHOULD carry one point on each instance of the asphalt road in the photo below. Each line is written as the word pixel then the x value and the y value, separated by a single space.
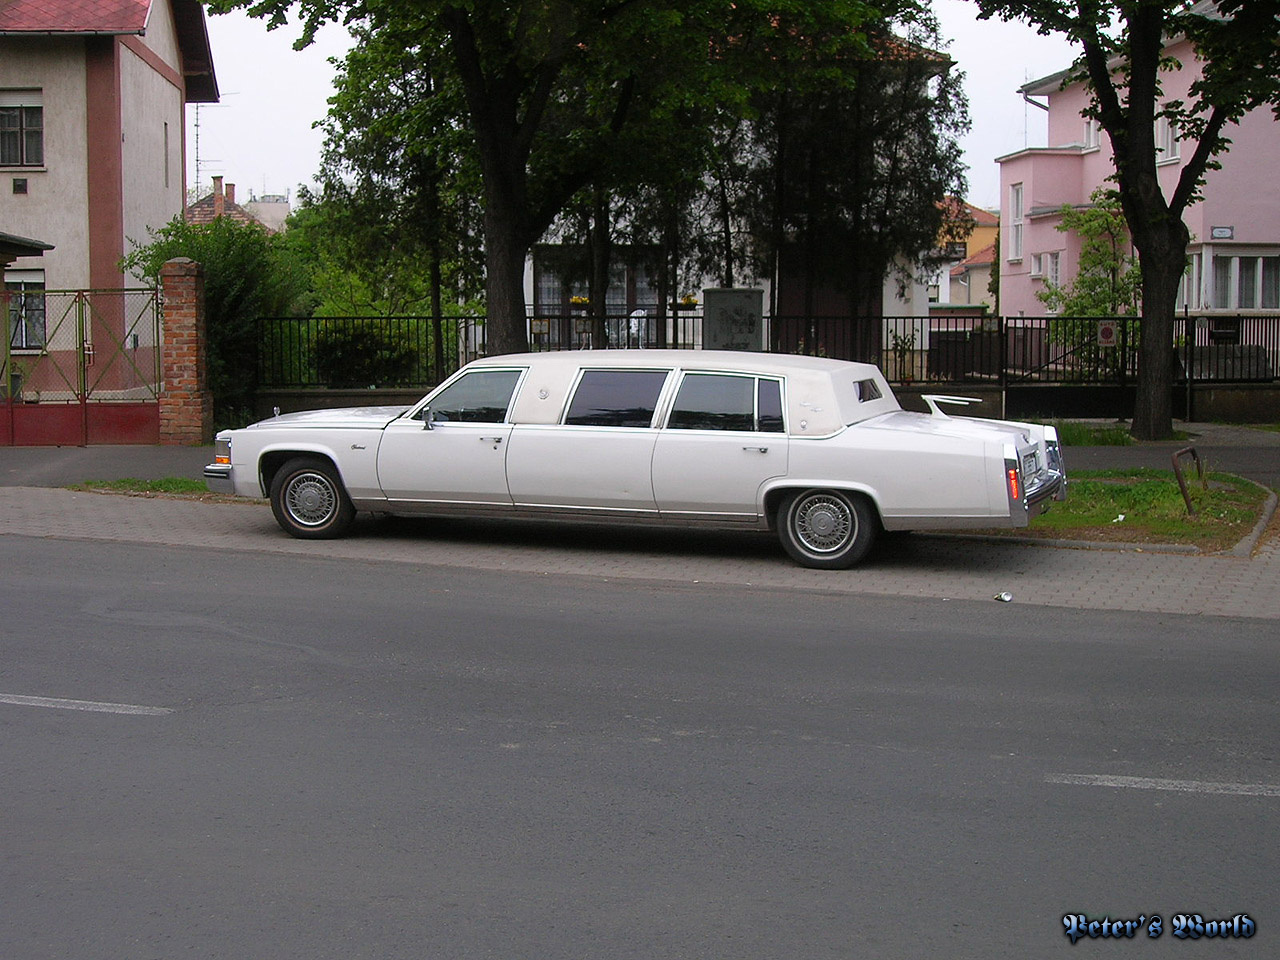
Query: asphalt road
pixel 281 756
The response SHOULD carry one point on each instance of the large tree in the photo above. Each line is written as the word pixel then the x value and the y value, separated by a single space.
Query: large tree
pixel 853 165
pixel 1124 59
pixel 549 84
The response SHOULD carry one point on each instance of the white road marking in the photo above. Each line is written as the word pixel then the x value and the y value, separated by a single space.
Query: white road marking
pixel 83 705
pixel 1154 783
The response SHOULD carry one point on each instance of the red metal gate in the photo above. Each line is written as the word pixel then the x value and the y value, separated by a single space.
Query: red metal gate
pixel 80 367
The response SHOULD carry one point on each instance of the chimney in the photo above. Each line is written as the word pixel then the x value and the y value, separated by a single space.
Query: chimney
pixel 219 207
pixel 231 194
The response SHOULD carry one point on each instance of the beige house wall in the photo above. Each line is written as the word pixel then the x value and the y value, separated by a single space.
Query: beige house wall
pixel 152 169
pixel 55 207
pixel 162 35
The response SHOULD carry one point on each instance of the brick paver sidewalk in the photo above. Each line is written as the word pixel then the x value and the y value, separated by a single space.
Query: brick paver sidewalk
pixel 914 566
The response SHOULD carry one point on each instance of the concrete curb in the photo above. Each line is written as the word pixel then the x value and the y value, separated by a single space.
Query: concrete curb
pixel 1249 544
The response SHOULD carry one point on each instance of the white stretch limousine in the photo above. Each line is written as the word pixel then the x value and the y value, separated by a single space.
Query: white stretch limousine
pixel 818 449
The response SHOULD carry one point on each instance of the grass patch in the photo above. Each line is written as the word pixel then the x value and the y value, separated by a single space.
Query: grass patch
pixel 169 486
pixel 1074 434
pixel 1153 509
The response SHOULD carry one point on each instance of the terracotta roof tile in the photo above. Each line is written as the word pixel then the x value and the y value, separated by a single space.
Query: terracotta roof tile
pixel 983 258
pixel 74 16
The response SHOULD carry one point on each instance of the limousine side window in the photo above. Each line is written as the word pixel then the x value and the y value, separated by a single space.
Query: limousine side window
pixel 616 398
pixel 479 397
pixel 713 401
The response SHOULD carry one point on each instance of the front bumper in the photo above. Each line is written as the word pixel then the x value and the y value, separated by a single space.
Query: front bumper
pixel 217 477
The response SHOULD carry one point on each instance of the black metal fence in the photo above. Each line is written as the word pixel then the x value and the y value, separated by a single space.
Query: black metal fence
pixel 365 351
pixel 422 351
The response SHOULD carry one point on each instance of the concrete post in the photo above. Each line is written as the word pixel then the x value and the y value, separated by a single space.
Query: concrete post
pixel 186 404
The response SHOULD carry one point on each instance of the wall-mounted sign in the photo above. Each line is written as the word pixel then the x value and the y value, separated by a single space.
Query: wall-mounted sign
pixel 1108 333
pixel 1222 233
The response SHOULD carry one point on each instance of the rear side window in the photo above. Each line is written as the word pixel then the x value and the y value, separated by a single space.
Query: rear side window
pixel 866 390
pixel 714 401
pixel 770 407
pixel 616 398
pixel 480 397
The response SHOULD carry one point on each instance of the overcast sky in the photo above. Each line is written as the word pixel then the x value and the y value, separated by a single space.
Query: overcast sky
pixel 260 136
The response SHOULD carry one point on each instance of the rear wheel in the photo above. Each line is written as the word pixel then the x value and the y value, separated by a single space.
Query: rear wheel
pixel 309 501
pixel 826 529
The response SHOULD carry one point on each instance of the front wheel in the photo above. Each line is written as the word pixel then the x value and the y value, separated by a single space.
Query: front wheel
pixel 309 501
pixel 826 529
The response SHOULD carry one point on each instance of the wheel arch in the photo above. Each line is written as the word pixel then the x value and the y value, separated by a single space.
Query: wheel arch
pixel 272 459
pixel 774 495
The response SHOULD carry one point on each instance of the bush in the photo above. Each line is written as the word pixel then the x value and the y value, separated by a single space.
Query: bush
pixel 247 275
pixel 365 355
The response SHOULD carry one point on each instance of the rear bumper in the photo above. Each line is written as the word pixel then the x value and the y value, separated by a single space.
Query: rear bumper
pixel 1050 485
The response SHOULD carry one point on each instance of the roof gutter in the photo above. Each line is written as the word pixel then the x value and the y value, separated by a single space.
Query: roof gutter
pixel 72 33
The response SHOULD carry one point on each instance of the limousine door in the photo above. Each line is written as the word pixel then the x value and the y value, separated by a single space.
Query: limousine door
pixel 723 439
pixel 459 454
pixel 599 458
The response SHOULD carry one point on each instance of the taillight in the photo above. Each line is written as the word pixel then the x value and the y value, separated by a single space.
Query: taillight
pixel 1015 488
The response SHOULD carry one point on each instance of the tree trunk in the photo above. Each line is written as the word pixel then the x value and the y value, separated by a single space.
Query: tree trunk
pixel 598 287
pixel 1162 252
pixel 437 309
pixel 504 255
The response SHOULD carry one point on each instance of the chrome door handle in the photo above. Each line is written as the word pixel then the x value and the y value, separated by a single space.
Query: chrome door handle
pixel 756 449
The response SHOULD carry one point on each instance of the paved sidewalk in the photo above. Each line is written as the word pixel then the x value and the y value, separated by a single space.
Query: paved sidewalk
pixel 31 504
pixel 913 566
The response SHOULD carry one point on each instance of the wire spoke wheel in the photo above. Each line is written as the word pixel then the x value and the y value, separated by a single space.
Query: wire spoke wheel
pixel 308 500
pixel 826 529
pixel 311 499
pixel 824 523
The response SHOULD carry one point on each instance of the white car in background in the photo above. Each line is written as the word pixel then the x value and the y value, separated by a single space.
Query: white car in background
pixel 818 449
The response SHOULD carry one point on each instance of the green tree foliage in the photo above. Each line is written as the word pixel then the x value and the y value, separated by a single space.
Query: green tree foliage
pixel 1108 281
pixel 545 89
pixel 1124 62
pixel 835 153
pixel 248 273
pixel 392 228
pixel 853 161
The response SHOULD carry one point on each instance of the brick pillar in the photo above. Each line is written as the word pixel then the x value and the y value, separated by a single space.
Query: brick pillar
pixel 186 405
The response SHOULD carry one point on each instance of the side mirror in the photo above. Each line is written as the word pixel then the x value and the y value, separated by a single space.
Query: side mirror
pixel 427 417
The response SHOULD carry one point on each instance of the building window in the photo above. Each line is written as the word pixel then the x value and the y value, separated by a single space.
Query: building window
pixel 1015 222
pixel 1092 134
pixel 21 128
pixel 561 273
pixel 1270 284
pixel 1047 265
pixel 25 292
pixel 1166 140
pixel 1246 283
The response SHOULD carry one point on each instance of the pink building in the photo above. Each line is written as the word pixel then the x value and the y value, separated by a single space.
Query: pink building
pixel 1235 229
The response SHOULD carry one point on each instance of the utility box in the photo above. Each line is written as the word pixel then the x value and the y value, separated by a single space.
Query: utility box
pixel 733 319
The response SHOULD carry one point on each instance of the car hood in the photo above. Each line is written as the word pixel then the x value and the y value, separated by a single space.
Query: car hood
pixel 373 418
pixel 999 431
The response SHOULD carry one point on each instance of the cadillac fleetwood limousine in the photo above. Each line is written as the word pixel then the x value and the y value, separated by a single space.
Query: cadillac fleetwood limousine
pixel 818 450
